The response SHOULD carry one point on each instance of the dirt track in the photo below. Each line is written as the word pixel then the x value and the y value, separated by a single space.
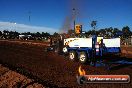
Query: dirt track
pixel 11 79
pixel 50 69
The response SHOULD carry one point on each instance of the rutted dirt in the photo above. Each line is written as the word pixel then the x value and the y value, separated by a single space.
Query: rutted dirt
pixel 11 79
pixel 50 69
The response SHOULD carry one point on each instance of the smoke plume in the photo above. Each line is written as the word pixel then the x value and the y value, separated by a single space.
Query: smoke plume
pixel 75 7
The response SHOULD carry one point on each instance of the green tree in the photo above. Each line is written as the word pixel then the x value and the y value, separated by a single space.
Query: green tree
pixel 91 32
pixel 126 32
pixel 6 34
pixel 116 32
pixel 0 33
pixel 102 32
pixel 45 34
pixel 93 24
pixel 109 32
pixel 28 33
pixel 33 34
pixel 55 34
pixel 38 34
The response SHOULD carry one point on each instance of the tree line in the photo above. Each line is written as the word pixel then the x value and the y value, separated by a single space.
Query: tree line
pixel 110 32
pixel 15 35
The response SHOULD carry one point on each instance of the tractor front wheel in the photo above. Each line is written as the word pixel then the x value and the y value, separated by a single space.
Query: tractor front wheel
pixel 72 55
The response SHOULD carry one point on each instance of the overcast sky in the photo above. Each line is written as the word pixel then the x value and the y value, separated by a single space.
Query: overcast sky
pixel 50 15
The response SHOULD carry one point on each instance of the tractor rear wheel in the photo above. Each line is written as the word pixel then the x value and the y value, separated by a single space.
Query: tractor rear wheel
pixel 83 57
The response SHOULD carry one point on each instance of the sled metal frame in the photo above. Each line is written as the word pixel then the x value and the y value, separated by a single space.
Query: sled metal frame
pixel 109 63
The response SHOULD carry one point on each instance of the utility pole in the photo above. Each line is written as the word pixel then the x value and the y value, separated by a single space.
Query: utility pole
pixel 29 16
pixel 74 17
